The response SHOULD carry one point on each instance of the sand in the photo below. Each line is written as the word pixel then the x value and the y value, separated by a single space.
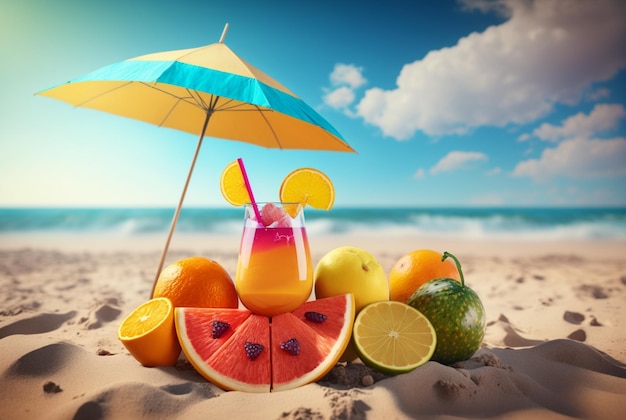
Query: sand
pixel 555 344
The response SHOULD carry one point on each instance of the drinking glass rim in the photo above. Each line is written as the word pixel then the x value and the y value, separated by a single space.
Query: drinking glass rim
pixel 275 202
pixel 298 214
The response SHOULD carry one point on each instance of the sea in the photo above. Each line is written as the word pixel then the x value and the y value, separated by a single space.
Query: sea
pixel 467 223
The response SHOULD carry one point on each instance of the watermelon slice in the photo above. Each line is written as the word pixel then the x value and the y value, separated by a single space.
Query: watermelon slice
pixel 198 319
pixel 239 350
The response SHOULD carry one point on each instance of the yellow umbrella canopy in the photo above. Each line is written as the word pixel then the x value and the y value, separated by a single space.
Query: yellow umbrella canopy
pixel 209 91
pixel 179 89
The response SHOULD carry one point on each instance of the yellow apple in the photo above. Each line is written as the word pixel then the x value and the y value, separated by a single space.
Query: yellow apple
pixel 351 270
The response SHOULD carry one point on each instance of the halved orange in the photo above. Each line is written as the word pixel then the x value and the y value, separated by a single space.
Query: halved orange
pixel 149 333
pixel 308 186
pixel 233 186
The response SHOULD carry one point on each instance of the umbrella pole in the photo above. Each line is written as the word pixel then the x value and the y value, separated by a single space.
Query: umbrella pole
pixel 180 202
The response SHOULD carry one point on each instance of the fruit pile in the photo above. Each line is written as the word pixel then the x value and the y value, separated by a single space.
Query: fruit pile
pixel 421 311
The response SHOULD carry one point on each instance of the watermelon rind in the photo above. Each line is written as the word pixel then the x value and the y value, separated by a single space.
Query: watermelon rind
pixel 231 369
pixel 223 362
pixel 201 351
pixel 329 349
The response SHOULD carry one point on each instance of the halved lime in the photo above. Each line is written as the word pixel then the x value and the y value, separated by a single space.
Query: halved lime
pixel 393 337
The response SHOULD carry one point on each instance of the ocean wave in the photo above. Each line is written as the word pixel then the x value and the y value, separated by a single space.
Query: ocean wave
pixel 521 224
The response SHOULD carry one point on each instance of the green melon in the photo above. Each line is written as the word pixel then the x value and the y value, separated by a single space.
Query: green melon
pixel 239 350
pixel 457 314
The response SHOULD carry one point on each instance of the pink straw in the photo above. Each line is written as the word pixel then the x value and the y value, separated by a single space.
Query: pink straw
pixel 249 188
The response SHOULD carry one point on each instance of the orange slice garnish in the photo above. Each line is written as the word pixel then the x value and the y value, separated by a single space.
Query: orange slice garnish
pixel 308 186
pixel 233 186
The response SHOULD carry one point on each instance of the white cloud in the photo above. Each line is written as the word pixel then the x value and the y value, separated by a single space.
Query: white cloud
pixel 346 78
pixel 603 117
pixel 598 94
pixel 494 171
pixel 457 160
pixel 577 158
pixel 340 97
pixel 419 174
pixel 547 52
pixel 347 74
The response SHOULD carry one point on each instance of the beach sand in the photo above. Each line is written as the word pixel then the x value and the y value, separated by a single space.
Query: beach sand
pixel 555 344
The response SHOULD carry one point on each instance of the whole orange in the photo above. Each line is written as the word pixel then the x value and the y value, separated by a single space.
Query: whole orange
pixel 197 282
pixel 416 268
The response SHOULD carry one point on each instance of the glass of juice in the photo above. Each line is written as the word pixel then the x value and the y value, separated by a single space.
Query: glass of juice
pixel 274 269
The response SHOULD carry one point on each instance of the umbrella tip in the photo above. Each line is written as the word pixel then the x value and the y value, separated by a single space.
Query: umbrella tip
pixel 224 33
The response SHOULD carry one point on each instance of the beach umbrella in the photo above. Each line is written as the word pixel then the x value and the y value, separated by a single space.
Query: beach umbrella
pixel 206 91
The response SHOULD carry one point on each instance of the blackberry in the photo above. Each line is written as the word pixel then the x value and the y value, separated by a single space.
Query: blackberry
pixel 219 328
pixel 315 317
pixel 253 350
pixel 291 346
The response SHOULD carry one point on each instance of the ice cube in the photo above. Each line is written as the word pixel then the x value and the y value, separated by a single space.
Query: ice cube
pixel 271 213
pixel 284 222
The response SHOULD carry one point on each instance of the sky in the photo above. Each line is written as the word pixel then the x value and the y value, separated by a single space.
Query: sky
pixel 480 103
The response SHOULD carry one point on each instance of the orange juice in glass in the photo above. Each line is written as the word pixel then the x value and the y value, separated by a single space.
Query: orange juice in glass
pixel 274 269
